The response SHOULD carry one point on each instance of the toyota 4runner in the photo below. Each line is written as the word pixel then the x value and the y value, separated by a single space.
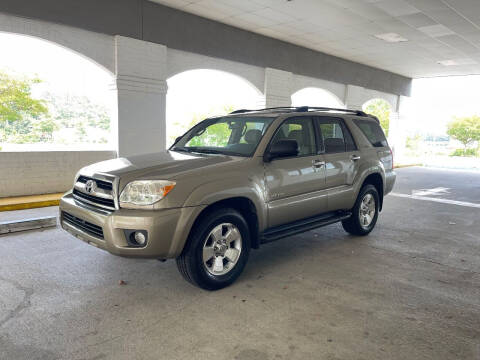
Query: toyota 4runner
pixel 233 183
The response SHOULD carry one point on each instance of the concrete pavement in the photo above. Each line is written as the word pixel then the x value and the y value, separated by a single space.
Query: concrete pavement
pixel 410 290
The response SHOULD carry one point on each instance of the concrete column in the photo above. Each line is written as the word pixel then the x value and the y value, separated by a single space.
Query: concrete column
pixel 393 130
pixel 140 88
pixel 353 97
pixel 400 123
pixel 277 88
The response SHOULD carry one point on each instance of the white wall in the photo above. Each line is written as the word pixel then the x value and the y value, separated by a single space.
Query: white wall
pixel 139 93
pixel 179 61
pixel 32 173
pixel 301 82
pixel 94 46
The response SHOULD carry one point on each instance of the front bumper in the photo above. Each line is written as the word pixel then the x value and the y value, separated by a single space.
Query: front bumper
pixel 167 229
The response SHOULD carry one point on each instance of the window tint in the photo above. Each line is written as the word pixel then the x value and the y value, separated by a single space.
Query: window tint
pixel 225 135
pixel 349 143
pixel 332 135
pixel 251 128
pixel 372 131
pixel 301 130
pixel 216 135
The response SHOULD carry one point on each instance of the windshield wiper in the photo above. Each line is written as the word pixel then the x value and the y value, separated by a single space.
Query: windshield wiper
pixel 213 151
pixel 176 148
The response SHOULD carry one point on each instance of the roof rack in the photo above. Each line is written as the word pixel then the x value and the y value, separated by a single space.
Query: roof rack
pixel 240 111
pixel 303 109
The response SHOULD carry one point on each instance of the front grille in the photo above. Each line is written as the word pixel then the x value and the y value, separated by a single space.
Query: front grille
pixel 94 199
pixel 83 225
pixel 105 185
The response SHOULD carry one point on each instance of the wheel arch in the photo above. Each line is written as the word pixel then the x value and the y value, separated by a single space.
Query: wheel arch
pixel 245 206
pixel 376 180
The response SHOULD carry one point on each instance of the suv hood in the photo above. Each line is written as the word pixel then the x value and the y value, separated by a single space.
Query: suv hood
pixel 164 165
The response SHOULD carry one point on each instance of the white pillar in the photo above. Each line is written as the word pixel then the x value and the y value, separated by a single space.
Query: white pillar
pixel 141 88
pixel 354 98
pixel 277 88
pixel 394 130
pixel 399 132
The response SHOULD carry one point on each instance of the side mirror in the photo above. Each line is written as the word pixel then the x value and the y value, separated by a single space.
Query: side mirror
pixel 282 148
pixel 177 139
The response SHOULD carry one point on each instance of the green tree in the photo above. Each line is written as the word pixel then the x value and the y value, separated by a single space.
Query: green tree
pixel 181 127
pixel 381 109
pixel 24 119
pixel 18 109
pixel 16 101
pixel 466 130
pixel 72 111
pixel 40 131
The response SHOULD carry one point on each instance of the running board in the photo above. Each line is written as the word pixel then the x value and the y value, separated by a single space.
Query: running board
pixel 279 232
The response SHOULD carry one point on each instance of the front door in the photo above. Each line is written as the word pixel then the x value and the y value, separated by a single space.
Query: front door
pixel 296 185
pixel 341 155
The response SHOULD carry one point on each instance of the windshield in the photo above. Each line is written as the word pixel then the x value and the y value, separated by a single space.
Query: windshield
pixel 238 136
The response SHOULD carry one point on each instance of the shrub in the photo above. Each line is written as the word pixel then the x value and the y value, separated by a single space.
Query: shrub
pixel 464 152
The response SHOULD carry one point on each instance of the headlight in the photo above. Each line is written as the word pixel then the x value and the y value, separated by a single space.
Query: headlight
pixel 146 192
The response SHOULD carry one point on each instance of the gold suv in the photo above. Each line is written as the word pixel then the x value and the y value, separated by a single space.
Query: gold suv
pixel 232 183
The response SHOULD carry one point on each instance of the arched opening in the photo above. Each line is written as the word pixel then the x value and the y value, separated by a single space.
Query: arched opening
pixel 194 95
pixel 60 99
pixel 312 96
pixel 382 110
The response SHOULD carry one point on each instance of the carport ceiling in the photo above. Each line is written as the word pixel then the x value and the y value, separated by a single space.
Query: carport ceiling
pixel 415 38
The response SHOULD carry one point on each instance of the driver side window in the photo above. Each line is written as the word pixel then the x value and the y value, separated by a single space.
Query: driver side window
pixel 301 130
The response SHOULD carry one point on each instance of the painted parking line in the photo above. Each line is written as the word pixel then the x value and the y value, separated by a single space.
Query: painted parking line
pixel 443 201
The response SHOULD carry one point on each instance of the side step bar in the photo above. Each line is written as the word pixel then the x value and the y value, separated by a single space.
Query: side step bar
pixel 300 226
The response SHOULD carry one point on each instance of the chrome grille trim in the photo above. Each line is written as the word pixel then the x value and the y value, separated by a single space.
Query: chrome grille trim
pixel 102 184
pixel 104 194
pixel 94 200
pixel 101 197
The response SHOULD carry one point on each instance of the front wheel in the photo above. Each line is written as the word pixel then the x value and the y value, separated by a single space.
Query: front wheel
pixel 217 250
pixel 364 212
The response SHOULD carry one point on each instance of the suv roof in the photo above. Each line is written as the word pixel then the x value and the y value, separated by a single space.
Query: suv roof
pixel 303 109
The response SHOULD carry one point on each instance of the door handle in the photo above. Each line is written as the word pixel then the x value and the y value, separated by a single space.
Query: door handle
pixel 355 157
pixel 318 163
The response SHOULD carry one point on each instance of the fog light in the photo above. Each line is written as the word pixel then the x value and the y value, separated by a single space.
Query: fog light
pixel 140 238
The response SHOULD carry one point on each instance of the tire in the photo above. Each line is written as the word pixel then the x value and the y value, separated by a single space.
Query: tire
pixel 357 223
pixel 224 235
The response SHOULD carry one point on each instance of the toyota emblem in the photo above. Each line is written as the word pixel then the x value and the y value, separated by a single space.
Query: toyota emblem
pixel 90 186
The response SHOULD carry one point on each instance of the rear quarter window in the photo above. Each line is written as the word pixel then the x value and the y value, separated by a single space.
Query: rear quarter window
pixel 372 131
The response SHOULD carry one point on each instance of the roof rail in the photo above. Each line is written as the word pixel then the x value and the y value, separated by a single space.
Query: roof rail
pixel 240 111
pixel 356 112
pixel 302 109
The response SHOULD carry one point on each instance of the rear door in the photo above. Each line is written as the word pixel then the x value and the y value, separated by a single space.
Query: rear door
pixel 296 185
pixel 374 133
pixel 341 160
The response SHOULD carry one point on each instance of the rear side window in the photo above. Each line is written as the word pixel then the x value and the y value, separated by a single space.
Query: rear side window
pixel 372 131
pixel 335 136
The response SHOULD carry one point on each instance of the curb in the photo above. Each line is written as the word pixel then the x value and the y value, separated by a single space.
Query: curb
pixel 28 224
pixel 29 202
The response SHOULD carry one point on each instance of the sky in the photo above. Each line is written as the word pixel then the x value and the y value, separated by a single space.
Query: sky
pixel 434 101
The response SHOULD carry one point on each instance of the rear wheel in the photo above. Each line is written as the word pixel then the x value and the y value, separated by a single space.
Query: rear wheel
pixel 217 250
pixel 364 213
